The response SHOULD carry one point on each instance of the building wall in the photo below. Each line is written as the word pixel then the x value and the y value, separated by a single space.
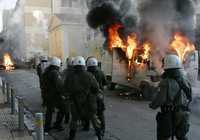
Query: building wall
pixel 39 3
pixel 68 3
pixel 73 25
pixel 67 40
pixel 36 19
pixel 56 43
pixel 78 38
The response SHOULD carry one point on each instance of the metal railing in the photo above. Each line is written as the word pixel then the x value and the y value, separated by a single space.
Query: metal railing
pixel 17 105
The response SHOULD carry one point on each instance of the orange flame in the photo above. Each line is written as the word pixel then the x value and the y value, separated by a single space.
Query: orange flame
pixel 144 56
pixel 8 62
pixel 114 40
pixel 129 46
pixel 147 47
pixel 181 45
pixel 138 55
pixel 132 45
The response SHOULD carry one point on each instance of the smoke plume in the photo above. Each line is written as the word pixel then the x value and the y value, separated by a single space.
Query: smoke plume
pixel 41 21
pixel 185 18
pixel 154 20
pixel 104 13
pixel 159 19
pixel 13 33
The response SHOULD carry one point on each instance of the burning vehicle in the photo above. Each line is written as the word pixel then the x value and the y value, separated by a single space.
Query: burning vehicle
pixel 135 57
pixel 133 64
pixel 140 33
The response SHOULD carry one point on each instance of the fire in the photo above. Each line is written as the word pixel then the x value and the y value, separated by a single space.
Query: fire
pixel 132 45
pixel 182 45
pixel 8 62
pixel 129 46
pixel 143 55
pixel 114 39
pixel 147 47
pixel 138 53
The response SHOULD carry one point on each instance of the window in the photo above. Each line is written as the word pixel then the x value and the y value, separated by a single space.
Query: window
pixel 75 3
pixel 70 3
pixel 66 3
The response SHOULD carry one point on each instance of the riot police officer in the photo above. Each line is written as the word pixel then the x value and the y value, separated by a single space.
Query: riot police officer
pixel 53 86
pixel 40 70
pixel 82 88
pixel 69 68
pixel 173 98
pixel 67 72
pixel 42 65
pixel 92 67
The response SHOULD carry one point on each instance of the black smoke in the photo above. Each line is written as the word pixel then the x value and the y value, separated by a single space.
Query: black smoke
pixel 184 7
pixel 159 19
pixel 107 12
pixel 104 13
pixel 155 20
pixel 185 17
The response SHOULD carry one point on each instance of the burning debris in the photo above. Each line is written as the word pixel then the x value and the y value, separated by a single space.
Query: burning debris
pixel 9 65
pixel 13 32
pixel 163 27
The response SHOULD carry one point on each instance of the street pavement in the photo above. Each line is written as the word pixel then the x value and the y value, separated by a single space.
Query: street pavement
pixel 9 123
pixel 125 119
pixel 25 84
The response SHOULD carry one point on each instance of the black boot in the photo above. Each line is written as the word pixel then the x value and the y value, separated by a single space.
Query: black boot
pixel 102 120
pixel 182 138
pixel 67 117
pixel 58 123
pixel 99 134
pixel 100 137
pixel 48 119
pixel 58 127
pixel 72 134
pixel 46 130
pixel 86 125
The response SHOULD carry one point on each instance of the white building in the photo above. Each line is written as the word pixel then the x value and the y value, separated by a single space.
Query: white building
pixel 36 19
pixel 69 34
